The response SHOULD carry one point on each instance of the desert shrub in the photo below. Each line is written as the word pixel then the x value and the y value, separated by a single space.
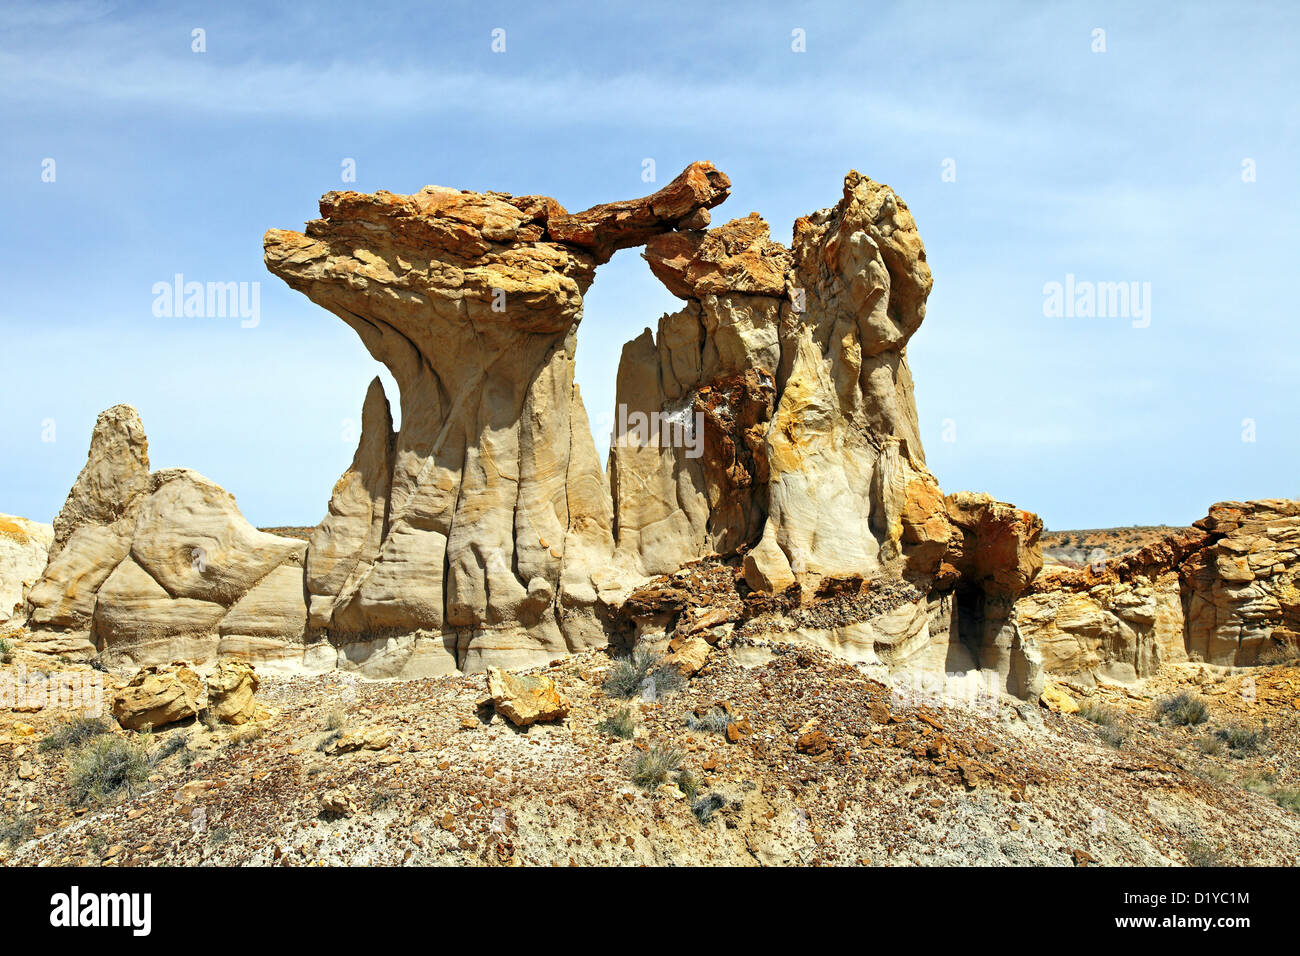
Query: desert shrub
pixel 715 721
pixel 622 724
pixel 73 734
pixel 1199 853
pixel 15 829
pixel 1262 783
pixel 654 765
pixel 1239 737
pixel 169 747
pixel 638 671
pixel 335 719
pixel 1287 797
pixel 706 806
pixel 1212 745
pixel 106 766
pixel 1182 709
pixel 246 735
pixel 1112 736
pixel 689 784
pixel 1100 714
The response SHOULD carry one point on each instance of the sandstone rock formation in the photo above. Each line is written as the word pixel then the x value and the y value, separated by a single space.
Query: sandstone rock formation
pixel 152 567
pixel 1223 592
pixel 1241 591
pixel 484 523
pixel 769 428
pixel 24 551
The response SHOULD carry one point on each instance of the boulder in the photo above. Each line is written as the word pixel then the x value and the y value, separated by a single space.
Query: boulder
pixel 525 699
pixel 689 656
pixel 159 695
pixel 231 686
pixel 1055 699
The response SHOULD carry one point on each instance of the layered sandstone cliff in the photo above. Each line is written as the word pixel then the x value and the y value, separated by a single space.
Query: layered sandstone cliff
pixel 1223 592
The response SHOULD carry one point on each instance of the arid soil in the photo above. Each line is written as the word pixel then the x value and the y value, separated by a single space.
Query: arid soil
pixel 815 762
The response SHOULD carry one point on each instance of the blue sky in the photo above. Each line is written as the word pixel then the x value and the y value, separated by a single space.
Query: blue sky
pixel 1116 166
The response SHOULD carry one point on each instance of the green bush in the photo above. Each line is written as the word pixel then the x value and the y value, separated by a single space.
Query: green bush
pixel 638 671
pixel 73 734
pixel 1199 853
pixel 654 765
pixel 1241 738
pixel 5 651
pixel 1101 714
pixel 715 721
pixel 622 724
pixel 1182 709
pixel 106 766
pixel 14 830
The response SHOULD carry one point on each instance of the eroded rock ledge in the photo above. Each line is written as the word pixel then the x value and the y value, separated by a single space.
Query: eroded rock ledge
pixel 483 531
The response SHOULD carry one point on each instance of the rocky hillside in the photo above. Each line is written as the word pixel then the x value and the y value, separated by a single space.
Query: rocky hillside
pixel 1077 548
pixel 769 754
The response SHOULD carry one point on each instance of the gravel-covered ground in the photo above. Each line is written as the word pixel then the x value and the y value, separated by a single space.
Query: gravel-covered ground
pixel 828 766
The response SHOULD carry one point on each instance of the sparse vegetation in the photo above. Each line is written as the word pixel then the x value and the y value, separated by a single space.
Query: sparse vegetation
pixel 1113 736
pixel 1265 784
pixel 1103 715
pixel 640 671
pixel 1212 745
pixel 6 651
pixel 335 719
pixel 104 767
pixel 688 784
pixel 1183 709
pixel 715 721
pixel 15 829
pixel 1200 853
pixel 169 747
pixel 73 734
pixel 1238 737
pixel 654 765
pixel 622 724
pixel 706 806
